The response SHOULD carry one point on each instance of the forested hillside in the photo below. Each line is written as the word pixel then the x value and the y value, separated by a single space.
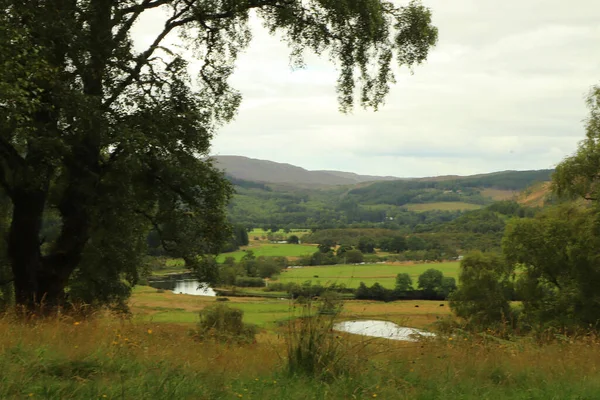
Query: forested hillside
pixel 390 204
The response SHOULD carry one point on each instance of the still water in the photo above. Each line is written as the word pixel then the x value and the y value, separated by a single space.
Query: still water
pixel 185 286
pixel 382 329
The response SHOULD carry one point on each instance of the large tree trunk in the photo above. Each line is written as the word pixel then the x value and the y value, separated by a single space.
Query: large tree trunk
pixel 40 280
pixel 24 245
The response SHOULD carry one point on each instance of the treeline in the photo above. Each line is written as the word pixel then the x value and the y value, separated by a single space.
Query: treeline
pixel 432 285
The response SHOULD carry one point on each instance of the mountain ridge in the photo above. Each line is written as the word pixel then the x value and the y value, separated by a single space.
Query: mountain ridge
pixel 266 171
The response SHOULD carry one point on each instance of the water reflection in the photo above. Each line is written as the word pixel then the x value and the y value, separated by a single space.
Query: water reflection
pixel 382 329
pixel 185 286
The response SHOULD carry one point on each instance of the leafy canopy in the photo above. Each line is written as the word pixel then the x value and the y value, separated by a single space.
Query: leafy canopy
pixel 114 141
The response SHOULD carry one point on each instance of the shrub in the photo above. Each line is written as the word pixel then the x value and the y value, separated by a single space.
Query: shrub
pixel 247 281
pixel 224 324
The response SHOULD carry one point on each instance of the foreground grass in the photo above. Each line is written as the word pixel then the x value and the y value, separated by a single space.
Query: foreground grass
pixel 352 275
pixel 108 358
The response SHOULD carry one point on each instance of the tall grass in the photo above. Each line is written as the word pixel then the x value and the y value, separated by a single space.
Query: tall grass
pixel 313 349
pixel 67 358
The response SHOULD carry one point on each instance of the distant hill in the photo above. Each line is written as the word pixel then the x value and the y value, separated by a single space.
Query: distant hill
pixel 251 169
pixel 474 189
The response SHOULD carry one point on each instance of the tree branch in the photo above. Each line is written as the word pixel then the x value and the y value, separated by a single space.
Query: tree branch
pixel 145 5
pixel 172 23
pixel 156 226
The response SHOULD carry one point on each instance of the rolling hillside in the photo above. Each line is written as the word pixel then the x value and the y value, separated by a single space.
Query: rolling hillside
pixel 251 169
pixel 398 204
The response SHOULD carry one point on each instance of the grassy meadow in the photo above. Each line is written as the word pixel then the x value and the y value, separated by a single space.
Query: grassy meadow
pixel 150 305
pixel 146 357
pixel 153 353
pixel 260 233
pixel 352 275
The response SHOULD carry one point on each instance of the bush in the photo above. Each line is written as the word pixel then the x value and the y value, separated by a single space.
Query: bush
pixel 224 324
pixel 247 281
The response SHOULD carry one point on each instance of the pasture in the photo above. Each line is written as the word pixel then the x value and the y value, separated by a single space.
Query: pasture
pixel 271 250
pixel 352 275
pixel 259 232
pixel 149 305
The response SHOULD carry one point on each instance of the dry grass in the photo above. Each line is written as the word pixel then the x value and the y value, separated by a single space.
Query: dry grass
pixel 499 194
pixel 107 357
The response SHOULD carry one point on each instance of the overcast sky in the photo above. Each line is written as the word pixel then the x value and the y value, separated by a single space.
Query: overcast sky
pixel 503 89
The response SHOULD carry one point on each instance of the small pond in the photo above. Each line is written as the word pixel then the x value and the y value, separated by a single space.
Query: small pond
pixel 184 286
pixel 381 329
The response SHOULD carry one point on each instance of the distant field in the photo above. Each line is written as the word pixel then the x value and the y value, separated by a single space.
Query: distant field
pixel 444 206
pixel 272 250
pixel 352 275
pixel 149 305
pixel 499 194
pixel 262 232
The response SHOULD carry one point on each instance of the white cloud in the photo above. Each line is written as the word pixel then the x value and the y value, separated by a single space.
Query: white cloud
pixel 504 89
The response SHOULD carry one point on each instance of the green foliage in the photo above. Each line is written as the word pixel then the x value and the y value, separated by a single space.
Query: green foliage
pixel 326 245
pixel 577 176
pixel 558 254
pixel 366 245
pixel 404 282
pixel 431 281
pixel 467 189
pixel 293 239
pixel 353 257
pixel 224 324
pixel 116 139
pixel 349 237
pixel 395 244
pixel 248 281
pixel 482 299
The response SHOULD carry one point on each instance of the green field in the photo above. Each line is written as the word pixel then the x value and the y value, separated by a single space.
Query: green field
pixel 443 206
pixel 261 232
pixel 352 275
pixel 271 250
pixel 149 305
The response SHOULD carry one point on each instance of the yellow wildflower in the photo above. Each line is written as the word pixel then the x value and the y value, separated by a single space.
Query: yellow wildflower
pixel 149 331
pixel 76 323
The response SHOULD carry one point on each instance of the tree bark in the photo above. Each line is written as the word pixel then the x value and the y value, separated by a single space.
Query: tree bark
pixel 24 244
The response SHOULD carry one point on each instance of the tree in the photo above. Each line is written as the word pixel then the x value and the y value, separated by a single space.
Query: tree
pixel 557 250
pixel 343 249
pixel 404 282
pixel 448 286
pixel 396 244
pixel 557 254
pixel 326 245
pixel 115 140
pixel 430 282
pixel 366 245
pixel 483 296
pixel 362 292
pixel 578 176
pixel 353 256
pixel 293 239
